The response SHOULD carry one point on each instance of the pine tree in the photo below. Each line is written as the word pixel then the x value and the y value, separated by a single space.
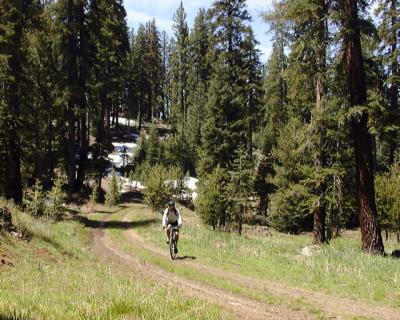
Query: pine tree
pixel 140 78
pixel 198 77
pixel 308 20
pixel 212 202
pixel 159 187
pixel 180 69
pixel 113 196
pixel 252 88
pixel 41 142
pixel 109 45
pixel 225 125
pixel 389 31
pixel 153 147
pixel 56 196
pixel 290 206
pixel 275 105
pixel 369 220
pixel 14 18
pixel 71 46
pixel 35 202
pixel 153 62
pixel 241 186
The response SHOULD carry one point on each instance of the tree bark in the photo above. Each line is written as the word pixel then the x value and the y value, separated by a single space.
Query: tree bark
pixel 320 210
pixel 369 221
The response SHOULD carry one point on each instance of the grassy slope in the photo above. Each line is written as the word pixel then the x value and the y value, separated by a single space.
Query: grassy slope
pixel 340 268
pixel 56 277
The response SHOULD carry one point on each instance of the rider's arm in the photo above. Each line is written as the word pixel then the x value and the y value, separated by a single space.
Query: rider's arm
pixel 165 218
pixel 179 217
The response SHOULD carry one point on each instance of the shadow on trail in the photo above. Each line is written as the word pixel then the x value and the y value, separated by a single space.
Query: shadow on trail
pixel 186 258
pixel 95 224
pixel 132 196
pixel 14 316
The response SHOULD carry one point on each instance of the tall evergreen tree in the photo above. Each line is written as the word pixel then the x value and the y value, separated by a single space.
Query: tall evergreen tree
pixel 71 45
pixel 369 220
pixel 109 45
pixel 275 104
pixel 198 78
pixel 14 19
pixel 153 62
pixel 180 68
pixel 140 79
pixel 389 31
pixel 40 143
pixel 225 125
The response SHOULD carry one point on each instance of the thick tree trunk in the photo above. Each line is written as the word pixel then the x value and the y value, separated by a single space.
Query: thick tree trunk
pixel 369 221
pixel 15 181
pixel 320 211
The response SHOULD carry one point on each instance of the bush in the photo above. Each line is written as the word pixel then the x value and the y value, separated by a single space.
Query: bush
pixel 94 197
pixel 212 202
pixel 388 198
pixel 113 196
pixel 35 200
pixel 159 187
pixel 291 209
pixel 55 202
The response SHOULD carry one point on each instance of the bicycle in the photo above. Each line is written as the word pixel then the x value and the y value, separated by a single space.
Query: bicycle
pixel 173 248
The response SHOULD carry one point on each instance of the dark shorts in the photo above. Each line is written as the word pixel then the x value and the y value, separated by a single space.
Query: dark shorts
pixel 175 224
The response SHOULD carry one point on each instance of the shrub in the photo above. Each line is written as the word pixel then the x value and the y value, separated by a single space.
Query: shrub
pixel 388 197
pixel 113 196
pixel 35 200
pixel 213 201
pixel 56 196
pixel 159 187
pixel 290 209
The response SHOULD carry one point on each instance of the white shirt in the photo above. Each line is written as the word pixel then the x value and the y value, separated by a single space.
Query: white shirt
pixel 171 217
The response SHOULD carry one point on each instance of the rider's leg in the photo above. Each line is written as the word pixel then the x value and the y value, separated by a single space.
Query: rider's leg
pixel 168 234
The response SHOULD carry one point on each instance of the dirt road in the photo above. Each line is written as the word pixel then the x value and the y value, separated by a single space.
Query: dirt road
pixel 238 306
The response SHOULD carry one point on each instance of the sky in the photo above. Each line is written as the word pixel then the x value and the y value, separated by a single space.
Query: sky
pixel 141 11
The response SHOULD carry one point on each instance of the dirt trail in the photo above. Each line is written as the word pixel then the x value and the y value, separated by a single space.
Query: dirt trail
pixel 238 306
pixel 334 307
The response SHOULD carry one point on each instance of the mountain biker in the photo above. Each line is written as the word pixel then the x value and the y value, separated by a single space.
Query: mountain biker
pixel 171 218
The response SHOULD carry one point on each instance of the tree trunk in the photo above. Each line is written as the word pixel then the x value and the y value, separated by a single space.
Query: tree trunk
pixel 83 152
pixel 319 210
pixel 369 221
pixel 394 89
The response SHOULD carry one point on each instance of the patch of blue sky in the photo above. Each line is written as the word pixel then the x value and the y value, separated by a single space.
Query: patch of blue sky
pixel 141 11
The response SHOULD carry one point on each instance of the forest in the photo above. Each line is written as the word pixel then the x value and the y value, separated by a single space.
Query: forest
pixel 308 141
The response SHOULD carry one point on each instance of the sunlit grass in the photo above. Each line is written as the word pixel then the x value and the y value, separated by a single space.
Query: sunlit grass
pixel 340 268
pixel 229 285
pixel 56 277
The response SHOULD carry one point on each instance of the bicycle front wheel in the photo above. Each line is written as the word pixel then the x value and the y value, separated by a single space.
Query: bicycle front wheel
pixel 172 249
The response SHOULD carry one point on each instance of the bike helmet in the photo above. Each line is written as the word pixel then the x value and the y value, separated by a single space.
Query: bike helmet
pixel 171 203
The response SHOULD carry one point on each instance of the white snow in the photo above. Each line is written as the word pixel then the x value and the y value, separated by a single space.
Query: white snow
pixel 125 121
pixel 118 146
pixel 191 183
pixel 116 160
pixel 128 185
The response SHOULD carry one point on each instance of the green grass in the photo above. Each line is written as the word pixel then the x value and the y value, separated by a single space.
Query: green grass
pixel 192 273
pixel 55 276
pixel 340 268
